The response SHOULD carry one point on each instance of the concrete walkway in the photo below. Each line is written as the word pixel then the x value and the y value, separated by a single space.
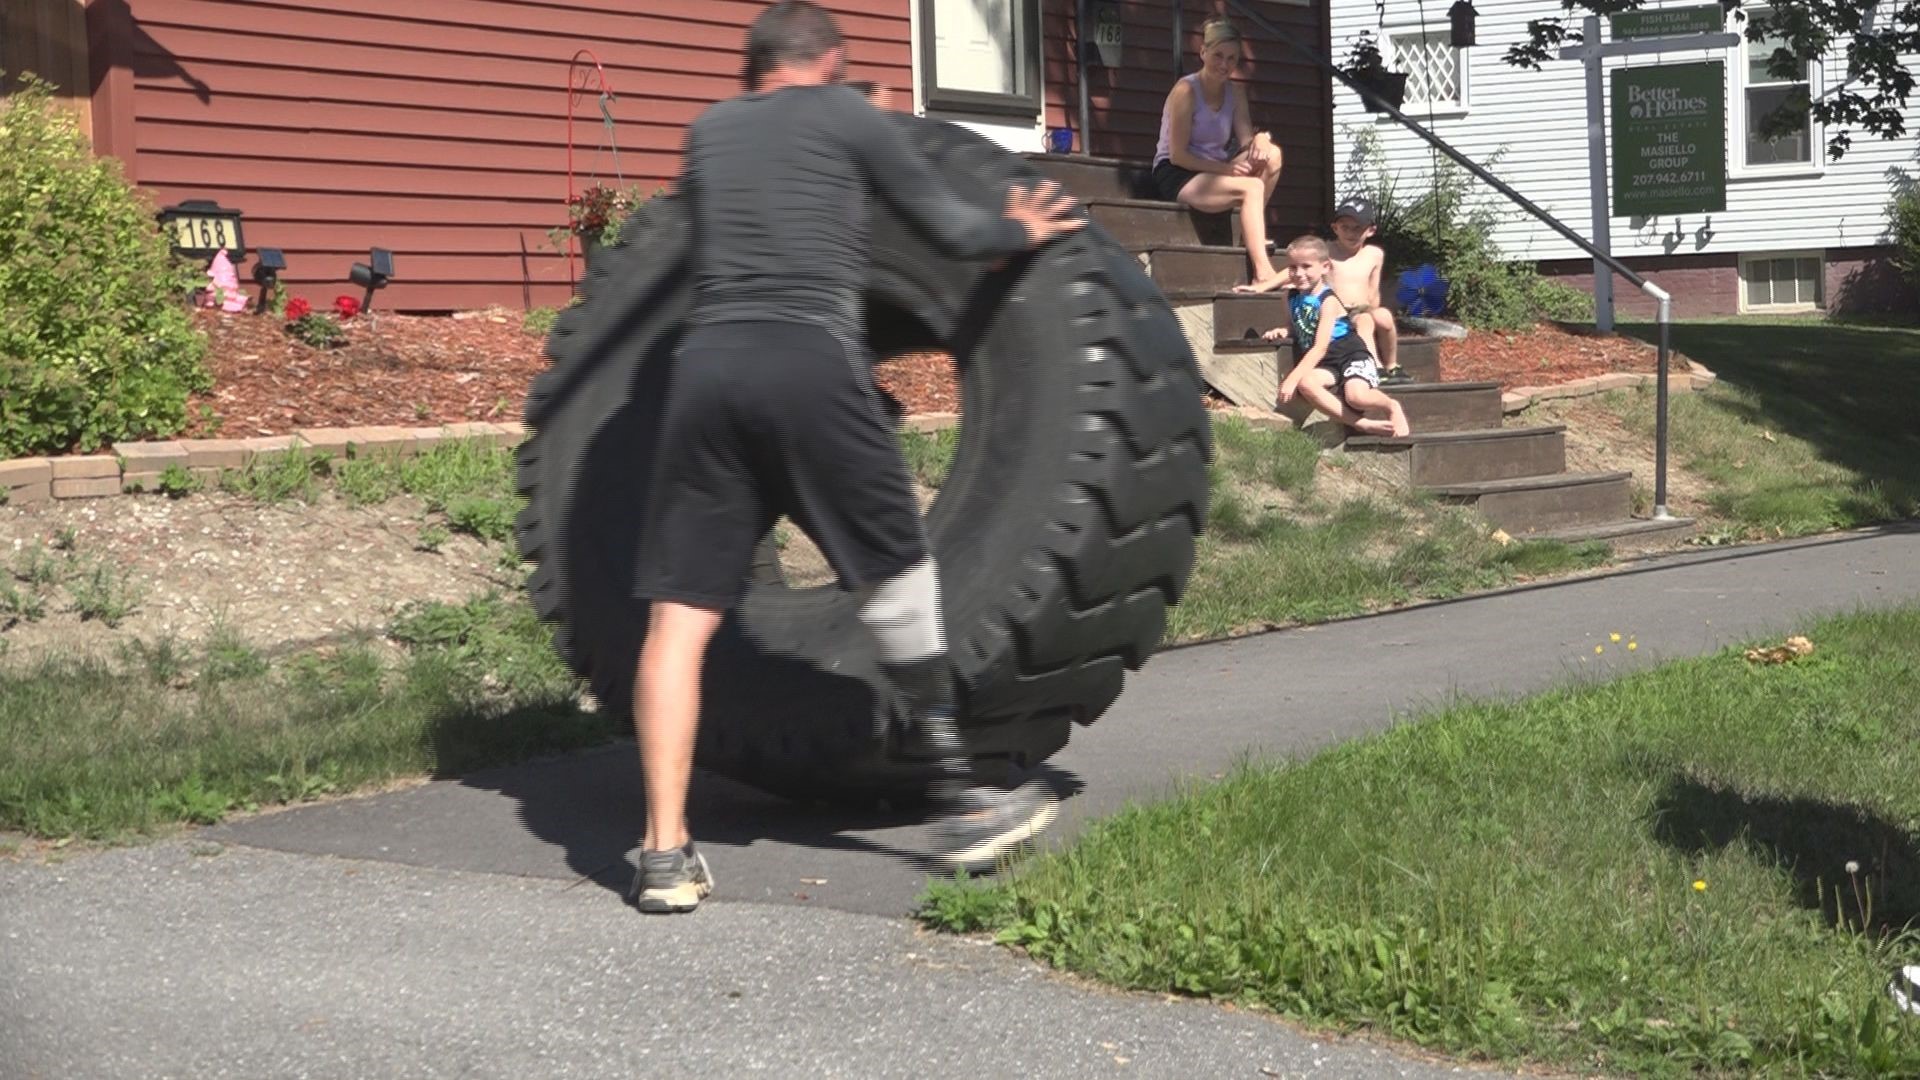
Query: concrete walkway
pixel 471 927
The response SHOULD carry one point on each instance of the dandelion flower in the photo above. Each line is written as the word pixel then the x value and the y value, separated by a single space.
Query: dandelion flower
pixel 1599 648
pixel 1632 645
pixel 1699 886
pixel 1613 637
pixel 1852 867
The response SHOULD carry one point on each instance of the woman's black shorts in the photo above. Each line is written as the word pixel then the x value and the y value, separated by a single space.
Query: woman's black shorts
pixel 1169 178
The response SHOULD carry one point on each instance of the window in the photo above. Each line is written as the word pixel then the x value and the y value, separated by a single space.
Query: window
pixel 1766 93
pixel 1436 71
pixel 981 56
pixel 1781 281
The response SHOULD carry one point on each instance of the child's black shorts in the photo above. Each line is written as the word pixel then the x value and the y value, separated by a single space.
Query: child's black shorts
pixel 765 419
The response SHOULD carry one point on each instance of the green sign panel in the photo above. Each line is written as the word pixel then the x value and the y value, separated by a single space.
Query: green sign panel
pixel 1670 139
pixel 1668 22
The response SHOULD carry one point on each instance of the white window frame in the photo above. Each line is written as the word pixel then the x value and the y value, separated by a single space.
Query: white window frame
pixel 1737 167
pixel 1463 61
pixel 1819 258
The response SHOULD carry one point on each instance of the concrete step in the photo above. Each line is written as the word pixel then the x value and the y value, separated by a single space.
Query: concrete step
pixel 1187 269
pixel 1097 178
pixel 1531 504
pixel 1625 534
pixel 1464 457
pixel 1462 406
pixel 1139 223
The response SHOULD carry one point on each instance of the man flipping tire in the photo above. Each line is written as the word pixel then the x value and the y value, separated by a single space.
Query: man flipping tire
pixel 772 409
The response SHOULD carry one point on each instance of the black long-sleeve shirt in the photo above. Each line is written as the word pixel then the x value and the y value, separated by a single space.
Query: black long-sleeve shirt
pixel 780 187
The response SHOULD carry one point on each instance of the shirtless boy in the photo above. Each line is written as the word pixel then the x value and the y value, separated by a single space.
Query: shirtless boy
pixel 1357 266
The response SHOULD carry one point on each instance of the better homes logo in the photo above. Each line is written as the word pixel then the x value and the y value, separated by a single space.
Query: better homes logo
pixel 1658 102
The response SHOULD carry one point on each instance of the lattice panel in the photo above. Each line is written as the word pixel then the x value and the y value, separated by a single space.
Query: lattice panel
pixel 1432 65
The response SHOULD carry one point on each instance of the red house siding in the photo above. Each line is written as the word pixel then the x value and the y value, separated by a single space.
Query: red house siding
pixel 1290 98
pixel 436 128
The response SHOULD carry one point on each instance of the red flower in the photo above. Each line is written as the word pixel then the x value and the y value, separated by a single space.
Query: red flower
pixel 298 309
pixel 347 306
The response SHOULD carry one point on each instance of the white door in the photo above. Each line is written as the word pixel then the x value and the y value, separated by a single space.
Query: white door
pixel 975 45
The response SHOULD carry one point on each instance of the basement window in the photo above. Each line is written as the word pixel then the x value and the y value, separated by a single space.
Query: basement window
pixel 1785 281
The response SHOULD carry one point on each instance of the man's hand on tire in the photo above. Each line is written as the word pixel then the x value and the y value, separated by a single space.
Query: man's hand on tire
pixel 1045 212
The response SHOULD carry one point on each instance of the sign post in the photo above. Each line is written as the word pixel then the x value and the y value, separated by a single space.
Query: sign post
pixel 1638 33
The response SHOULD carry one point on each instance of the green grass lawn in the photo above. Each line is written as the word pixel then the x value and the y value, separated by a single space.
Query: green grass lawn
pixel 1812 426
pixel 1279 549
pixel 104 748
pixel 1647 876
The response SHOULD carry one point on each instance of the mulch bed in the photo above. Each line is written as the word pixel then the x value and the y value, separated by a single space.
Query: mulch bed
pixel 410 370
pixel 1543 356
pixel 419 371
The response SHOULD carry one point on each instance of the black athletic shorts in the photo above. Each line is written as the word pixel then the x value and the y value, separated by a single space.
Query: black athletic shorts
pixel 1169 178
pixel 765 419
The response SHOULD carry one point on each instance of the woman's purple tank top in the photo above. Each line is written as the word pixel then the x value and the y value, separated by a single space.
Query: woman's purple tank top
pixel 1211 128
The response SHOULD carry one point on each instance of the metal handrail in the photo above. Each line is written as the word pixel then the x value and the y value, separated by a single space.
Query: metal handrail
pixel 1661 296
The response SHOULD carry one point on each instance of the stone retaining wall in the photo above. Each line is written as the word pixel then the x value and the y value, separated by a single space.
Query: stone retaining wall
pixel 138 466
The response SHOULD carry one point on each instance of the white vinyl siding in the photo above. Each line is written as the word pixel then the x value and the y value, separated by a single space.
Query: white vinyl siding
pixel 1536 121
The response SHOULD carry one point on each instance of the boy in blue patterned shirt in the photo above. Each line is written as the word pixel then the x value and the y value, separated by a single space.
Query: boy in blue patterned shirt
pixel 1333 368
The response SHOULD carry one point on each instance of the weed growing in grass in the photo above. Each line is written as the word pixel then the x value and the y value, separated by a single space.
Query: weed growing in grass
pixel 539 321
pixel 104 592
pixel 163 660
pixel 228 657
pixel 292 475
pixel 177 481
pixel 432 538
pixel 35 567
pixel 64 538
pixel 499 641
pixel 482 516
pixel 930 454
pixel 26 604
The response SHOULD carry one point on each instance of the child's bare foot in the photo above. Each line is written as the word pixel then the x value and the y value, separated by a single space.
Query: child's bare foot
pixel 1375 427
pixel 1266 284
pixel 1397 419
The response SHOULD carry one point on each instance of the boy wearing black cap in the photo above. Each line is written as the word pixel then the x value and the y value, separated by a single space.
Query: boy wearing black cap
pixel 1357 266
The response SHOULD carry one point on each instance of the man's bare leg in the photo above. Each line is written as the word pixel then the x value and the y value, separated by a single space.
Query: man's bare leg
pixel 666 714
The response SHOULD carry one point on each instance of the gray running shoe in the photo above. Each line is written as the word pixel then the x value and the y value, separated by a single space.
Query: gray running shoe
pixel 670 881
pixel 983 824
pixel 1396 376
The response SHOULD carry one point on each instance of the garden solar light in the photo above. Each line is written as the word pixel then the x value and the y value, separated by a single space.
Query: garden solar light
pixel 266 271
pixel 371 277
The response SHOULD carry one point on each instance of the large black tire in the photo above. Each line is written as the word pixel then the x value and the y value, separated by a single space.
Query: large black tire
pixel 1064 531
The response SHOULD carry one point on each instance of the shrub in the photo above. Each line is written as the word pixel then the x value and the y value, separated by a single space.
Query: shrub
pixel 96 342
pixel 1903 227
pixel 1441 225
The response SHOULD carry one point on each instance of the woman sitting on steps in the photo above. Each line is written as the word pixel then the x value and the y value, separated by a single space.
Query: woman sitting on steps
pixel 1192 164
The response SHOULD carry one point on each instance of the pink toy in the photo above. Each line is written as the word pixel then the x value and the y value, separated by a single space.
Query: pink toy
pixel 223 290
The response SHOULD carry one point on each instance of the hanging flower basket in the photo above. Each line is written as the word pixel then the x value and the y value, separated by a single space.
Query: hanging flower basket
pixel 1366 67
pixel 1388 86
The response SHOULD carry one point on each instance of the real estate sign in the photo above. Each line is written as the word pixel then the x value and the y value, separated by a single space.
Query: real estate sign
pixel 1670 139
pixel 1667 22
